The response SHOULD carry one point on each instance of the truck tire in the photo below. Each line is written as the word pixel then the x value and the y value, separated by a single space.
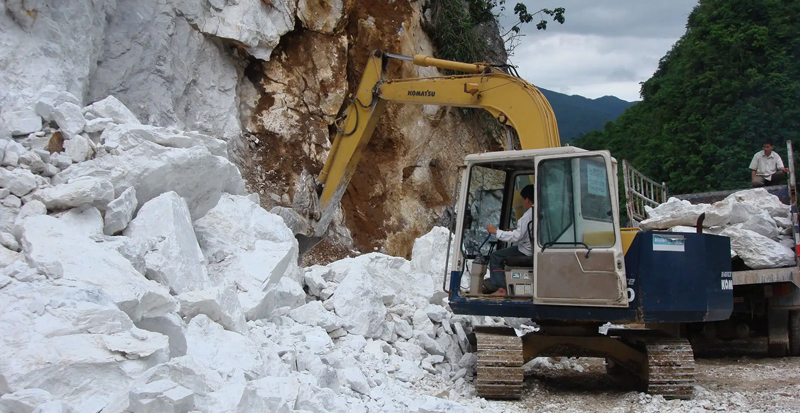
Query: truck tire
pixel 794 333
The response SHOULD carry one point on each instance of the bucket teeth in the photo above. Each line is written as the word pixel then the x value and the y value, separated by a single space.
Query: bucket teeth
pixel 500 374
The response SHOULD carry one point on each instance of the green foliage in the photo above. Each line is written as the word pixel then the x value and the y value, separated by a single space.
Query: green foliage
pixel 454 26
pixel 730 82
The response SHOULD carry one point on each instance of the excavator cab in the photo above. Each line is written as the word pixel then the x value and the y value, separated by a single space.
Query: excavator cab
pixel 575 235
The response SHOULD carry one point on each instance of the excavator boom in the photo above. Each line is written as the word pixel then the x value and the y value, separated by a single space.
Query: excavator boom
pixel 513 101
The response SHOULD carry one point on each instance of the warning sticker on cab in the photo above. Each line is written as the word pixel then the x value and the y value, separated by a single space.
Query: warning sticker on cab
pixel 673 243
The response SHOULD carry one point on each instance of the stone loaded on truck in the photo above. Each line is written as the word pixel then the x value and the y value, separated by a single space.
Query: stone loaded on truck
pixel 762 224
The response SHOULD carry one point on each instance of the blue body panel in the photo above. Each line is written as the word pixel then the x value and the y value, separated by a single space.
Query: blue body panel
pixel 665 285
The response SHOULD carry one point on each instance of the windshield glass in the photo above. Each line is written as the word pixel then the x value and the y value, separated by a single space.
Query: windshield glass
pixel 575 203
pixel 485 204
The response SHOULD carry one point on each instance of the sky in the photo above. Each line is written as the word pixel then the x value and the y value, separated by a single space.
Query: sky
pixel 603 48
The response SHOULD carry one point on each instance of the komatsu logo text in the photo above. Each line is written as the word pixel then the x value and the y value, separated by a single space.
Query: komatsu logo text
pixel 422 93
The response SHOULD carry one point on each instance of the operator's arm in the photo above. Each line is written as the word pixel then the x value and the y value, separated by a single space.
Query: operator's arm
pixel 752 174
pixel 517 234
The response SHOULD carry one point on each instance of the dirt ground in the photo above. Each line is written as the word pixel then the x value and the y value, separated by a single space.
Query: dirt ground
pixel 730 377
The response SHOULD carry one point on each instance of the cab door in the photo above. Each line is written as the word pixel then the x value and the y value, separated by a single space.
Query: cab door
pixel 578 256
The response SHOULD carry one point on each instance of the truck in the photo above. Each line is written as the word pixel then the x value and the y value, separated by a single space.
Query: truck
pixel 766 301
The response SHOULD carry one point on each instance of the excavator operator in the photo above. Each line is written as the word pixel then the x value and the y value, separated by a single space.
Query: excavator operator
pixel 520 235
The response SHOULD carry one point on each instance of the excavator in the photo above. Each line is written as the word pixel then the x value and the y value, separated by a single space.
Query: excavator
pixel 585 270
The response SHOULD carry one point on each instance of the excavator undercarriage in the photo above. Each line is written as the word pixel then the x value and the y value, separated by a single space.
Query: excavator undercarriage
pixel 647 360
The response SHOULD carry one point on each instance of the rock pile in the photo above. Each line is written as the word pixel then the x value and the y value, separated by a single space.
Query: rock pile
pixel 757 222
pixel 136 275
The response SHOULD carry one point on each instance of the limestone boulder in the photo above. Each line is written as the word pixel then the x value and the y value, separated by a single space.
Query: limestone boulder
pixel 270 394
pixel 314 314
pixel 193 173
pixel 221 350
pixel 323 17
pixel 235 224
pixel 19 181
pixel 220 304
pixel 97 192
pixel 119 212
pixel 57 252
pixel 357 301
pixel 129 135
pixel 69 118
pixel 758 251
pixel 175 259
pixel 672 213
pixel 112 108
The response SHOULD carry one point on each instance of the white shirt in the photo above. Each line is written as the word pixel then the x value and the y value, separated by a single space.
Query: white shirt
pixel 520 234
pixel 766 165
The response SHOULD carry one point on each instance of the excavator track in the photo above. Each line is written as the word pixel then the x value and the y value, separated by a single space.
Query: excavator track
pixel 500 374
pixel 670 368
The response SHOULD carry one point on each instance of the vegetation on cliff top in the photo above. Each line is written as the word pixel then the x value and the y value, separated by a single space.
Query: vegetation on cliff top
pixel 730 82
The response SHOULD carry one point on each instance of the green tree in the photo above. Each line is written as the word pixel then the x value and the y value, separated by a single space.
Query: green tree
pixel 732 80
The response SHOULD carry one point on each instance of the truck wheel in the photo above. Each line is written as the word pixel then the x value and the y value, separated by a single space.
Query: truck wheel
pixel 794 333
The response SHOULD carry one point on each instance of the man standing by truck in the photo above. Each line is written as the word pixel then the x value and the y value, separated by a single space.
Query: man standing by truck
pixel 767 167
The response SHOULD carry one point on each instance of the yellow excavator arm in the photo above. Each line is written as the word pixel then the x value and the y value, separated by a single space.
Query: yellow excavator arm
pixel 511 100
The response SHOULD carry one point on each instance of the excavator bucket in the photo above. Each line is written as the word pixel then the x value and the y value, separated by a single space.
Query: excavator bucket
pixel 306 243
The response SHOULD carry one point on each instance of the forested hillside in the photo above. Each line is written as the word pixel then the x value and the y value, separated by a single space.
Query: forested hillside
pixel 731 81
pixel 577 114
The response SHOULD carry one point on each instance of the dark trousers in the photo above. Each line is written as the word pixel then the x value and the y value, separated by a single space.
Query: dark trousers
pixel 777 178
pixel 497 274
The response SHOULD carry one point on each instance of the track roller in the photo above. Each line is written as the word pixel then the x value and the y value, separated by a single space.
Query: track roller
pixel 500 374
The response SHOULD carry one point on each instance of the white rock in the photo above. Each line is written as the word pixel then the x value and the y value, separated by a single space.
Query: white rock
pixel 97 124
pixel 253 25
pixel 96 192
pixel 194 173
pixel 7 240
pixel 12 153
pixel 54 407
pixel 53 249
pixel 437 405
pixel 134 250
pixel 19 181
pixel 24 401
pixel 22 122
pixel 170 325
pixel 403 328
pixel 408 372
pixel 112 108
pixel 313 314
pixel 355 379
pixel 430 345
pixel 758 251
pixel 128 136
pixel 463 341
pixel 175 259
pixel 12 201
pixel 137 343
pixel 672 213
pixel 119 212
pixel 288 293
pixel 763 200
pixel 430 253
pixel 161 396
pixel 392 277
pixel 69 118
pixel 356 301
pixel 224 351
pixel 62 160
pixel 436 313
pixel 314 281
pixel 235 224
pixel 451 349
pixel 423 323
pixel 86 220
pixel 270 394
pixel 220 304
pixel 78 148
pixel 256 275
pixel 468 361
pixel 321 400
